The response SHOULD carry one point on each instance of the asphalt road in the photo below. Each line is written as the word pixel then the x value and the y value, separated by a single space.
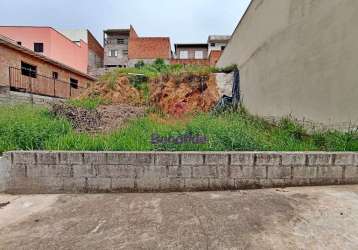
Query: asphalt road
pixel 291 218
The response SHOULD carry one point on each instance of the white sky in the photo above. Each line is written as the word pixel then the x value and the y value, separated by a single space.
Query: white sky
pixel 181 20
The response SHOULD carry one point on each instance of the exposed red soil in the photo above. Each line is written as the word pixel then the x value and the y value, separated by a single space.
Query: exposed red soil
pixel 185 95
pixel 122 92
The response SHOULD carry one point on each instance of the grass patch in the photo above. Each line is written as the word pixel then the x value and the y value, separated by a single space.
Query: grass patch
pixel 25 127
pixel 87 103
pixel 155 70
pixel 226 132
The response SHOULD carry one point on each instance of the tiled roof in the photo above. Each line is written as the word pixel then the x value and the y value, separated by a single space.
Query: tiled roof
pixel 149 48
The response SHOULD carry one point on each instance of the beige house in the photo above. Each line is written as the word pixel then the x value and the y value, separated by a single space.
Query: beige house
pixel 298 57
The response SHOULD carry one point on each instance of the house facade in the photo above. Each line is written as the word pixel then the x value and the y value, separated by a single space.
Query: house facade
pixel 124 48
pixel 217 43
pixel 51 43
pixel 24 70
pixel 95 49
pixel 116 47
pixel 185 51
pixel 200 53
pixel 298 58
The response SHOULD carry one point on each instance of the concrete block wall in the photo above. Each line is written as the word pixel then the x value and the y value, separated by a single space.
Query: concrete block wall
pixel 72 172
pixel 4 173
pixel 13 97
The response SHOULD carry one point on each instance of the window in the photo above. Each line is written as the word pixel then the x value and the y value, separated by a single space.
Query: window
pixel 183 54
pixel 55 75
pixel 74 83
pixel 212 44
pixel 125 52
pixel 19 43
pixel 223 47
pixel 199 54
pixel 113 53
pixel 28 70
pixel 122 41
pixel 39 47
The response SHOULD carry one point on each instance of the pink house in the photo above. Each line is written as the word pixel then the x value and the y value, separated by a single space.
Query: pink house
pixel 50 43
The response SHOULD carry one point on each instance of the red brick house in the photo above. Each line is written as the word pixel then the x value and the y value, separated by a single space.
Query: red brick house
pixel 22 69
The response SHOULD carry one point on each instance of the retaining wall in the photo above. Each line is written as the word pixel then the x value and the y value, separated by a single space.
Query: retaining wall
pixel 13 97
pixel 4 173
pixel 66 172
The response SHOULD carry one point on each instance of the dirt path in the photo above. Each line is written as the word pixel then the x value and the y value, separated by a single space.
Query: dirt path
pixel 292 218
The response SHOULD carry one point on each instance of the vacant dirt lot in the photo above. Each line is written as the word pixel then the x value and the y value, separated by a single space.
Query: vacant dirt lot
pixel 292 218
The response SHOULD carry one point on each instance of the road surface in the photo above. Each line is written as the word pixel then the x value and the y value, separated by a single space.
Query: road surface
pixel 291 218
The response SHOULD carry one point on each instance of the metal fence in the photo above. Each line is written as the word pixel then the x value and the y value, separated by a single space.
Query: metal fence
pixel 34 83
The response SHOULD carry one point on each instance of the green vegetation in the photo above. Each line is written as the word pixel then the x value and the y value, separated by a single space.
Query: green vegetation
pixel 26 127
pixel 87 103
pixel 156 69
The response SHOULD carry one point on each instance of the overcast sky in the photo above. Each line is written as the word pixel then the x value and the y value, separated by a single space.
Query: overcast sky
pixel 181 20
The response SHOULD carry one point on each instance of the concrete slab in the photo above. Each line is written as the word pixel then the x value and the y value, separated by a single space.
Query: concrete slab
pixel 291 218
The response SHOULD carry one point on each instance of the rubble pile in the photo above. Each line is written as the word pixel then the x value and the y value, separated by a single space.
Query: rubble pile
pixel 188 94
pixel 103 119
pixel 80 118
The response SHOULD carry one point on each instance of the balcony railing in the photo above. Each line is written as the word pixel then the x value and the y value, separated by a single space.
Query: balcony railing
pixel 41 85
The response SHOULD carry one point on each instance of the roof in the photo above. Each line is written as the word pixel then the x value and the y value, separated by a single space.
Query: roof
pixel 117 31
pixel 190 45
pixel 149 48
pixel 12 44
pixel 218 38
pixel 75 34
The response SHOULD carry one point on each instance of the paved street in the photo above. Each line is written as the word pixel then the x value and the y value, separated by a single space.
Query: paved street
pixel 292 218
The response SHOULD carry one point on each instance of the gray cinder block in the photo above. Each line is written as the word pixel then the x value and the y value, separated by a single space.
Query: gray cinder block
pixel 268 159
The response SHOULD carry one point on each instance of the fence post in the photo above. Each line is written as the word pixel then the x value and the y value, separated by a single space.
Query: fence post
pixel 10 77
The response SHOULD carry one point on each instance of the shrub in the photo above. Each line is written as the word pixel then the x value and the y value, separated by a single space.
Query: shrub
pixel 139 64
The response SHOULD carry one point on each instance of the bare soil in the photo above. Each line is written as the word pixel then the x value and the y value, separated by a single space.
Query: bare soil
pixel 174 95
pixel 115 116
pixel 179 96
pixel 121 92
